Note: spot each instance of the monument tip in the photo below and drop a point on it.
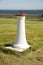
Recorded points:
(21, 14)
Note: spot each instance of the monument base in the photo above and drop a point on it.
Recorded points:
(18, 48)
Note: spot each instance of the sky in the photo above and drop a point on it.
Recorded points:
(21, 4)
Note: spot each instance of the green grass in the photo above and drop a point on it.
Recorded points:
(34, 35)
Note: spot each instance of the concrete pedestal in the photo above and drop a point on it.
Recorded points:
(21, 43)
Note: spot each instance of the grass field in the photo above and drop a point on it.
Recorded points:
(34, 35)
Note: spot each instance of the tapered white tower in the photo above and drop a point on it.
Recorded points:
(21, 43)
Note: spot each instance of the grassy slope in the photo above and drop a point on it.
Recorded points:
(34, 34)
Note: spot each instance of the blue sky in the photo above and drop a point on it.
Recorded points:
(21, 4)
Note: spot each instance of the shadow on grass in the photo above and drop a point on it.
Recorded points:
(8, 51)
(7, 45)
(13, 52)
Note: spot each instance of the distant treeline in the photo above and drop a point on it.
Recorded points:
(7, 16)
(14, 16)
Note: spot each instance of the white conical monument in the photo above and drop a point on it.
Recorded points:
(21, 43)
